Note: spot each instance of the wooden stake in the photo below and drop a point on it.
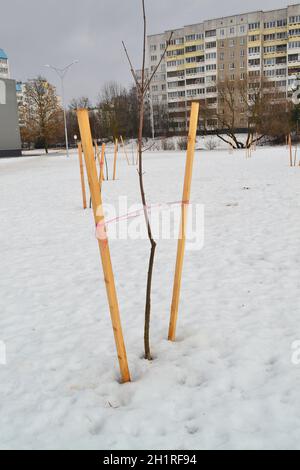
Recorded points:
(291, 150)
(101, 177)
(115, 159)
(295, 158)
(124, 148)
(185, 206)
(86, 138)
(97, 152)
(82, 175)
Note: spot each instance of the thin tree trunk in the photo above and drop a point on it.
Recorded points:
(148, 355)
(142, 88)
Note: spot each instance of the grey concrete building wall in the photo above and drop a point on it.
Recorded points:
(10, 141)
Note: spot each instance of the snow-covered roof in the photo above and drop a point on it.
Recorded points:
(2, 54)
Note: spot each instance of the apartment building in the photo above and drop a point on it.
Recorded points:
(4, 65)
(256, 44)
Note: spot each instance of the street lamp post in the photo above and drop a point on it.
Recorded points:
(62, 73)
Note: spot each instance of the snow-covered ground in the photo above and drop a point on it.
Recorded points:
(227, 383)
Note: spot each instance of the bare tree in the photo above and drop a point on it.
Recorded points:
(142, 87)
(255, 105)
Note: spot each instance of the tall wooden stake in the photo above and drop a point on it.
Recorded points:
(97, 152)
(102, 161)
(185, 205)
(86, 138)
(115, 159)
(291, 150)
(82, 175)
(124, 148)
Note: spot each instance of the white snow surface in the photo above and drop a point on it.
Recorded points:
(228, 382)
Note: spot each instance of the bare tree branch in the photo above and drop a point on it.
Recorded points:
(132, 69)
(159, 63)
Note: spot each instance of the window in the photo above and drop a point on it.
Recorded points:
(176, 94)
(190, 37)
(254, 73)
(242, 64)
(254, 62)
(195, 92)
(254, 50)
(152, 48)
(281, 72)
(294, 32)
(198, 47)
(242, 41)
(211, 67)
(222, 44)
(294, 19)
(242, 29)
(293, 58)
(231, 43)
(281, 35)
(222, 32)
(281, 23)
(211, 56)
(175, 52)
(222, 66)
(176, 42)
(269, 73)
(190, 60)
(270, 37)
(254, 38)
(153, 58)
(196, 81)
(195, 70)
(211, 45)
(294, 45)
(222, 56)
(231, 30)
(232, 77)
(269, 62)
(270, 24)
(242, 53)
(232, 66)
(211, 33)
(253, 26)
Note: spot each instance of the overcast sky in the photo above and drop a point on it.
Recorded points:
(37, 32)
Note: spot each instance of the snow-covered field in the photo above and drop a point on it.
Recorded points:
(227, 383)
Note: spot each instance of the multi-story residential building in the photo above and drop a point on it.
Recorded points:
(258, 45)
(20, 89)
(4, 65)
(5, 73)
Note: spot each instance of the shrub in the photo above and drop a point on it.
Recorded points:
(182, 143)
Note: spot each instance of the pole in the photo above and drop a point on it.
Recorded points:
(62, 73)
(115, 159)
(87, 143)
(65, 116)
(185, 205)
(82, 175)
(124, 148)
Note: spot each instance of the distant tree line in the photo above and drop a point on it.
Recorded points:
(257, 106)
